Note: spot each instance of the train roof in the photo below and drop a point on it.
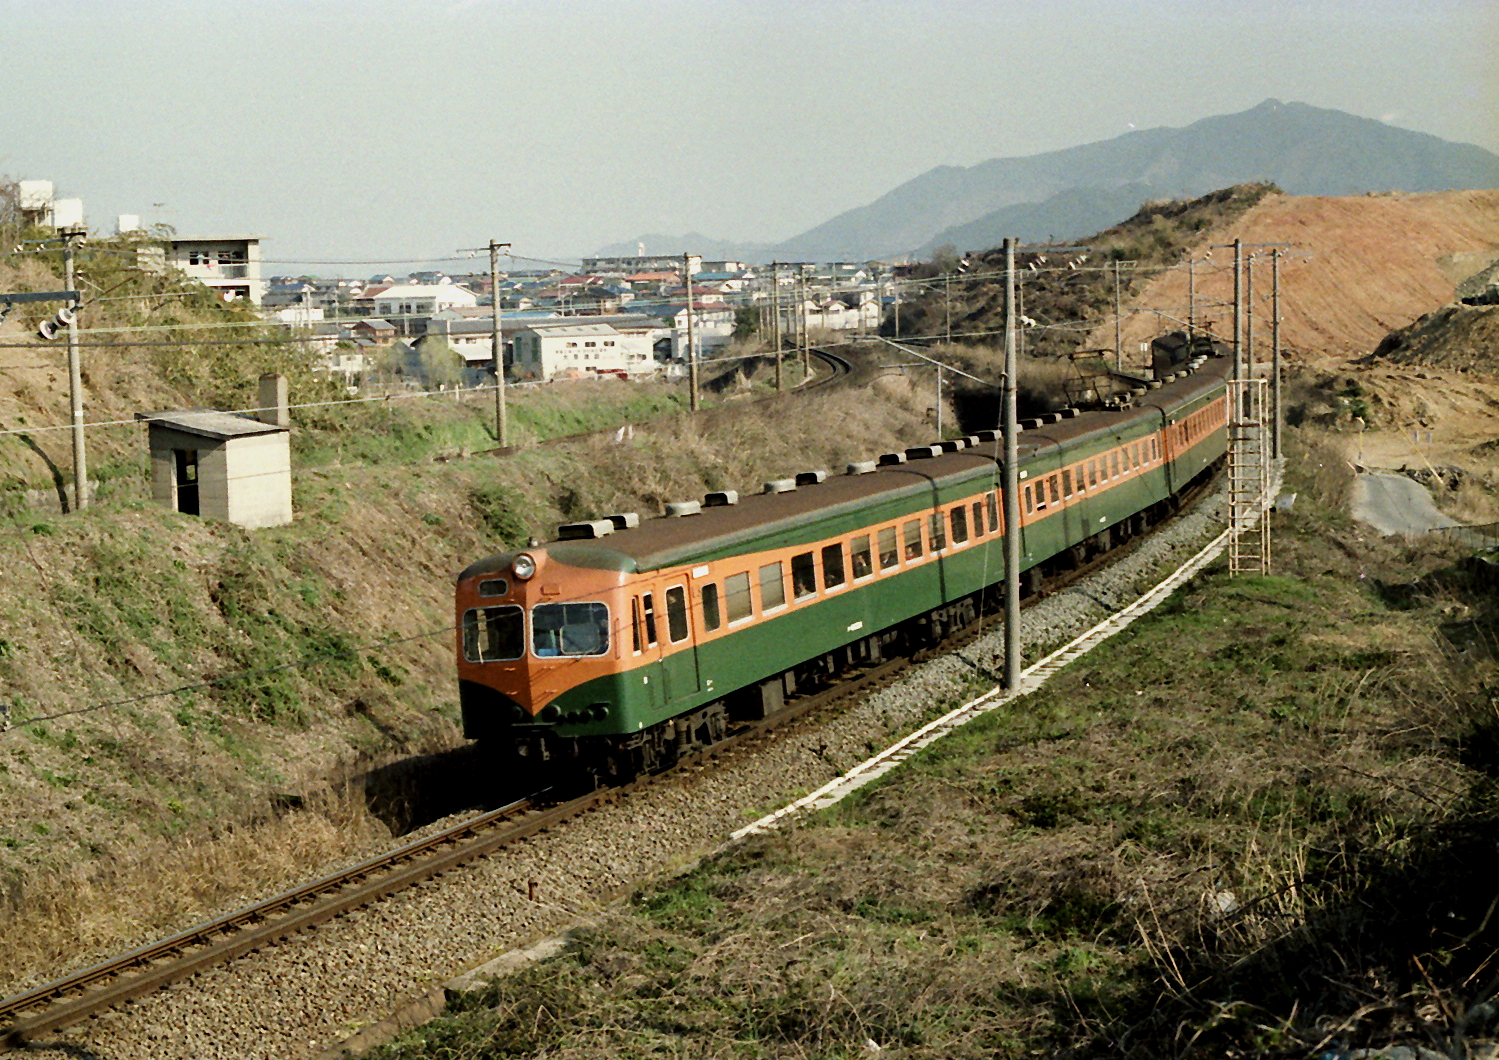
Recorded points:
(674, 539)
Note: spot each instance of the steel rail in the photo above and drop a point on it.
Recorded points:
(221, 939)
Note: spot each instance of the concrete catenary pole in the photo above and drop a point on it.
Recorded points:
(775, 288)
(1238, 308)
(497, 341)
(691, 343)
(1275, 353)
(75, 379)
(1249, 317)
(1010, 475)
(1118, 325)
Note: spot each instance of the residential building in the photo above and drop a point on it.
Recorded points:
(230, 265)
(576, 347)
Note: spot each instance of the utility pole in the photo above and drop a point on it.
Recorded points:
(895, 297)
(775, 314)
(497, 337)
(1238, 305)
(687, 263)
(804, 340)
(1275, 353)
(1191, 301)
(947, 297)
(1118, 324)
(939, 402)
(75, 378)
(1011, 481)
(1249, 317)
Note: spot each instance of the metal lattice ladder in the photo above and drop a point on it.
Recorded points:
(1248, 478)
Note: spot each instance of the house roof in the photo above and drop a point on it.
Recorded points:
(428, 290)
(209, 423)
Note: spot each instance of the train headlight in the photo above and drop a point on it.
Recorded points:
(523, 565)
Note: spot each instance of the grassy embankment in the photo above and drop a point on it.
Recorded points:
(1258, 823)
(184, 693)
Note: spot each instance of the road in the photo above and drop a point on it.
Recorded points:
(1395, 504)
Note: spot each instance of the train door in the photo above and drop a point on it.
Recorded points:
(645, 643)
(679, 666)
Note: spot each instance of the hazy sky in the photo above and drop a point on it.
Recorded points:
(378, 130)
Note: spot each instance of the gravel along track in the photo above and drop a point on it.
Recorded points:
(312, 991)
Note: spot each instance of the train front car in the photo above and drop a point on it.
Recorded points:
(540, 666)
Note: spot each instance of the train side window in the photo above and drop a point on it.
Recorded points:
(1030, 505)
(772, 587)
(635, 626)
(912, 533)
(712, 619)
(1067, 482)
(862, 559)
(978, 518)
(1114, 463)
(832, 566)
(937, 531)
(1051, 482)
(676, 614)
(889, 548)
(958, 518)
(803, 576)
(648, 610)
(992, 503)
(736, 591)
(494, 634)
(1092, 474)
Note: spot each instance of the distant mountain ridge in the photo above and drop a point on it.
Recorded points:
(1076, 191)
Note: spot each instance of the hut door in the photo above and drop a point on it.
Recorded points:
(187, 480)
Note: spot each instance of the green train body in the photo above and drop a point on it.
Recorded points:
(625, 640)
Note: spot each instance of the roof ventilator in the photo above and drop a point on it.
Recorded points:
(810, 478)
(862, 467)
(923, 452)
(892, 458)
(987, 436)
(721, 498)
(624, 520)
(953, 445)
(780, 485)
(679, 508)
(585, 531)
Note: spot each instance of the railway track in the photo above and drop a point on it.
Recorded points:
(112, 983)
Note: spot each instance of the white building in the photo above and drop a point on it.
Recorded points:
(228, 264)
(421, 299)
(575, 347)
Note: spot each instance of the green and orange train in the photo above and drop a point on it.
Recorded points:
(624, 642)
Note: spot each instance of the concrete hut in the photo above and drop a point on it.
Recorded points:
(221, 465)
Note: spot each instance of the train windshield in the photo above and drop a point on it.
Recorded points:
(493, 634)
(570, 629)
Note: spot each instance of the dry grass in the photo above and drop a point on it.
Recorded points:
(1257, 824)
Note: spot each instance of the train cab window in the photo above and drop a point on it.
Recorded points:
(648, 614)
(772, 587)
(912, 533)
(803, 576)
(937, 531)
(832, 566)
(861, 557)
(736, 591)
(889, 548)
(978, 518)
(712, 619)
(676, 614)
(991, 503)
(958, 518)
(570, 629)
(494, 587)
(493, 634)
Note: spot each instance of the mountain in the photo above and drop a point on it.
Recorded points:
(1064, 194)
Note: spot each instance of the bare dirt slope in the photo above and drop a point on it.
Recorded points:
(1355, 268)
